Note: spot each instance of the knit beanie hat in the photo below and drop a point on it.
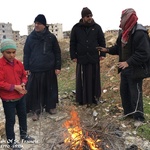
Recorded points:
(40, 18)
(8, 44)
(85, 11)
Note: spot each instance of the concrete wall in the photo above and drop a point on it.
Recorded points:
(6, 31)
(56, 29)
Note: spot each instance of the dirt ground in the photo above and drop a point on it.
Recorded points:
(94, 121)
(102, 122)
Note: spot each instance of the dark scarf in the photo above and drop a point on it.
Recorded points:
(40, 35)
(86, 24)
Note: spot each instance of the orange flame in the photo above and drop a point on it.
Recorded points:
(76, 138)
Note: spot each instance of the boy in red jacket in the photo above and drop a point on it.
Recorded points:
(12, 90)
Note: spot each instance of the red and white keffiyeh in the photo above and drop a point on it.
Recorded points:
(127, 22)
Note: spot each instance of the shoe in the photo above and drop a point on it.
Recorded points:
(35, 117)
(138, 123)
(15, 146)
(125, 117)
(27, 139)
(142, 119)
(81, 103)
(52, 111)
(132, 147)
(96, 102)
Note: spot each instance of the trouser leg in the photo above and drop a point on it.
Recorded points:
(9, 110)
(125, 95)
(22, 116)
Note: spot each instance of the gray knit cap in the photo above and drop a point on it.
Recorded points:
(8, 44)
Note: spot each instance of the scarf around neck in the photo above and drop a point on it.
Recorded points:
(86, 24)
(128, 21)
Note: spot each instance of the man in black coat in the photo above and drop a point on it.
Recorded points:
(133, 49)
(42, 61)
(86, 35)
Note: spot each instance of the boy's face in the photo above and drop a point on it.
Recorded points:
(9, 54)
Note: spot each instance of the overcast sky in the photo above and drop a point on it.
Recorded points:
(68, 12)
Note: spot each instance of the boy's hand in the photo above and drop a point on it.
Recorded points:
(23, 86)
(21, 89)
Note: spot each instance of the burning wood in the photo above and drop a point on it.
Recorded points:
(75, 137)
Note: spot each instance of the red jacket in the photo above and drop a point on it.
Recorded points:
(11, 75)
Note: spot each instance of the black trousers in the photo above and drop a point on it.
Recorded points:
(131, 94)
(10, 109)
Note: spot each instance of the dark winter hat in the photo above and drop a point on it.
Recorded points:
(8, 44)
(85, 11)
(40, 18)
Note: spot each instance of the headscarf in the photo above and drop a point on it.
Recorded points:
(127, 22)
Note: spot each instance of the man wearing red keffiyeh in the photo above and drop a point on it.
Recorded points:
(128, 21)
(133, 48)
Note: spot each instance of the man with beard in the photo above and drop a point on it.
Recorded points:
(86, 35)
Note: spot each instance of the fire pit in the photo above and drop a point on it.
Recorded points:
(77, 138)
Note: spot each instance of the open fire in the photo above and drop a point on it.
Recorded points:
(76, 138)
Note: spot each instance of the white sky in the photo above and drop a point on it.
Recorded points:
(68, 12)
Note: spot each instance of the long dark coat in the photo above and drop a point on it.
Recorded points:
(83, 42)
(42, 56)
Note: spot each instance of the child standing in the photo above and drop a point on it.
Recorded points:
(12, 90)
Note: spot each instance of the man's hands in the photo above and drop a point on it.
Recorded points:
(28, 72)
(123, 65)
(74, 60)
(57, 71)
(102, 49)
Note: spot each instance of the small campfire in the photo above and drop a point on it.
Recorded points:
(76, 138)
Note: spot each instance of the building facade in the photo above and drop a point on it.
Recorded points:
(56, 29)
(6, 31)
